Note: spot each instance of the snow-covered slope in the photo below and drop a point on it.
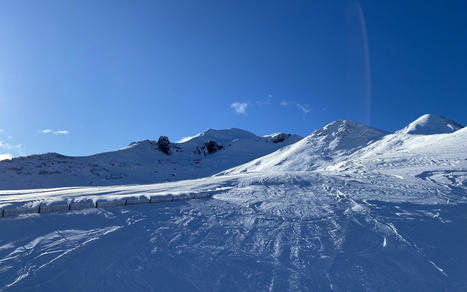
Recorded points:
(267, 233)
(349, 146)
(142, 162)
(404, 154)
(333, 143)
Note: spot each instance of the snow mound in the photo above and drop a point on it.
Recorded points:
(430, 124)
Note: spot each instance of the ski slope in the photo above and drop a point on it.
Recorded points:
(347, 208)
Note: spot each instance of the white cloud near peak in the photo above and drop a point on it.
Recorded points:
(13, 150)
(239, 107)
(10, 146)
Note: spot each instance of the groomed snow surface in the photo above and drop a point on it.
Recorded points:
(348, 208)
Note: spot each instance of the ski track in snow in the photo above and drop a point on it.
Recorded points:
(284, 236)
(45, 250)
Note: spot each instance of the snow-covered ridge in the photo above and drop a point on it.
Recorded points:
(349, 148)
(340, 145)
(332, 143)
(222, 136)
(142, 162)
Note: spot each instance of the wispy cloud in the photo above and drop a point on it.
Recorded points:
(239, 107)
(1, 130)
(264, 102)
(304, 108)
(58, 132)
(61, 132)
(10, 146)
(12, 149)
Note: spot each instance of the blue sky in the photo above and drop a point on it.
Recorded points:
(80, 77)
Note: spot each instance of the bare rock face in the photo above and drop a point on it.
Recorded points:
(164, 144)
(209, 147)
(212, 146)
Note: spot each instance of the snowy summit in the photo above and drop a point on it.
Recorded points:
(431, 124)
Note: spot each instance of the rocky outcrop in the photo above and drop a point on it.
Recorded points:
(209, 147)
(212, 146)
(164, 144)
(280, 137)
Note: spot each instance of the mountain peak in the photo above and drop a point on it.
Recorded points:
(430, 124)
(342, 128)
(330, 144)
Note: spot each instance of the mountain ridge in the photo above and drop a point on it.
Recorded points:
(146, 161)
(334, 147)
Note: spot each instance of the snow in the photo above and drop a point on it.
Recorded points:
(5, 156)
(328, 145)
(140, 162)
(431, 124)
(349, 207)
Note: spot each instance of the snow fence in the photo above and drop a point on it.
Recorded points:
(43, 208)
